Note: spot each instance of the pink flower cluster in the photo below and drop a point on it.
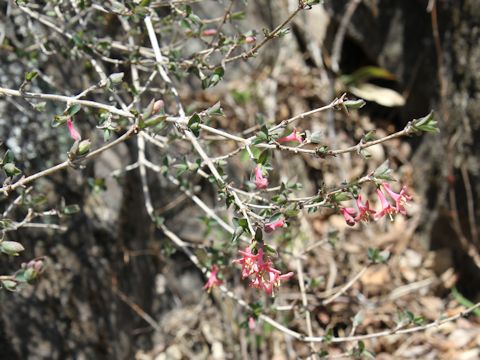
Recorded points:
(258, 267)
(365, 213)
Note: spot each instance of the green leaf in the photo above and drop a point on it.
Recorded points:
(258, 235)
(116, 78)
(291, 210)
(11, 170)
(376, 256)
(40, 107)
(215, 110)
(9, 284)
(59, 120)
(383, 172)
(311, 3)
(341, 196)
(263, 157)
(239, 15)
(154, 121)
(426, 123)
(194, 124)
(317, 137)
(322, 151)
(464, 301)
(5, 223)
(8, 157)
(236, 235)
(329, 335)
(269, 250)
(365, 73)
(260, 137)
(214, 78)
(29, 76)
(369, 136)
(72, 110)
(70, 209)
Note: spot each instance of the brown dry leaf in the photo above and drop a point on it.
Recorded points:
(432, 306)
(376, 276)
(461, 337)
(382, 96)
(472, 354)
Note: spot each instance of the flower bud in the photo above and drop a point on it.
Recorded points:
(38, 266)
(84, 147)
(250, 39)
(116, 78)
(251, 323)
(354, 104)
(11, 247)
(209, 32)
(157, 106)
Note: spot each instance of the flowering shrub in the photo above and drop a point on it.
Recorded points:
(126, 107)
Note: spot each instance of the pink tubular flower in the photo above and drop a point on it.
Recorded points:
(365, 212)
(271, 226)
(248, 262)
(387, 209)
(292, 137)
(400, 198)
(73, 132)
(261, 182)
(209, 32)
(212, 279)
(348, 214)
(260, 268)
(251, 324)
(274, 280)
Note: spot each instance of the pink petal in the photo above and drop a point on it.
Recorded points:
(73, 132)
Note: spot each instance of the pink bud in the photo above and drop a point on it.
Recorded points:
(209, 32)
(73, 132)
(251, 324)
(250, 39)
(157, 106)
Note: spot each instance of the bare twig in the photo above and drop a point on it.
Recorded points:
(26, 180)
(247, 54)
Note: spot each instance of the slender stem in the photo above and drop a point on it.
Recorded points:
(66, 99)
(345, 287)
(268, 37)
(26, 180)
